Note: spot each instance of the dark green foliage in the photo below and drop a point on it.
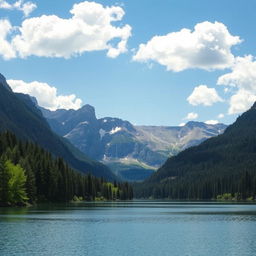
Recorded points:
(46, 178)
(136, 174)
(4, 179)
(225, 164)
(31, 180)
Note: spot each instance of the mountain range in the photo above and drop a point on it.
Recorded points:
(20, 115)
(204, 161)
(132, 152)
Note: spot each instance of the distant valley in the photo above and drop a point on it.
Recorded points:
(132, 152)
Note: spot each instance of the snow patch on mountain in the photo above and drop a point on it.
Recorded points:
(115, 130)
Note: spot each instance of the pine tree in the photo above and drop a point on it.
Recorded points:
(4, 187)
(30, 181)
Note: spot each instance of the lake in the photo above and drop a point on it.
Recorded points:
(130, 228)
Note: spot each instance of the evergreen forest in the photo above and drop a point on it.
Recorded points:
(30, 174)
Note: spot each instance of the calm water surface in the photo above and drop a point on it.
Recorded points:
(132, 228)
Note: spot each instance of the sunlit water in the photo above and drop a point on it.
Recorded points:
(132, 228)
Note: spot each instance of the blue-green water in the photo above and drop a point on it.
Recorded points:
(132, 228)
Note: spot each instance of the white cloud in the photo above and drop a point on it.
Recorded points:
(46, 95)
(242, 79)
(182, 124)
(207, 47)
(212, 122)
(5, 5)
(241, 101)
(6, 49)
(243, 75)
(25, 7)
(203, 95)
(191, 116)
(220, 116)
(89, 29)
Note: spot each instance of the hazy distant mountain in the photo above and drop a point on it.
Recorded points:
(20, 115)
(133, 152)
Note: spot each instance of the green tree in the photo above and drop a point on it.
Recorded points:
(39, 176)
(30, 181)
(16, 184)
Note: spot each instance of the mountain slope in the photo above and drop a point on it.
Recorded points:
(169, 140)
(223, 164)
(132, 152)
(19, 115)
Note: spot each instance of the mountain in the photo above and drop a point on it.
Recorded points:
(4, 83)
(20, 115)
(132, 152)
(225, 164)
(169, 140)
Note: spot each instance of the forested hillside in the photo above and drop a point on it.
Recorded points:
(28, 173)
(225, 164)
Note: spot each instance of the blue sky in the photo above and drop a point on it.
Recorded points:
(150, 86)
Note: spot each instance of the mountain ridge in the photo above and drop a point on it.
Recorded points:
(20, 115)
(122, 146)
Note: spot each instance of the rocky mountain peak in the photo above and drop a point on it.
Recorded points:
(85, 113)
(110, 123)
(87, 108)
(192, 124)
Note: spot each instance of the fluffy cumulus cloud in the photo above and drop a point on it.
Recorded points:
(212, 122)
(6, 49)
(191, 116)
(25, 7)
(204, 96)
(46, 95)
(90, 28)
(241, 101)
(242, 81)
(208, 47)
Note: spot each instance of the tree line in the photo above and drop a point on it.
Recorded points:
(28, 173)
(240, 186)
